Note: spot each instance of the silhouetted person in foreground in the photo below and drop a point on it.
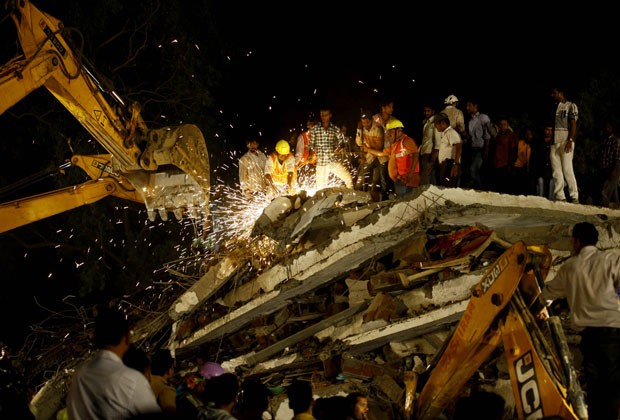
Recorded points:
(480, 405)
(221, 396)
(253, 400)
(104, 387)
(300, 399)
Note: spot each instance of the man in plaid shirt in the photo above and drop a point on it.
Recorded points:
(325, 138)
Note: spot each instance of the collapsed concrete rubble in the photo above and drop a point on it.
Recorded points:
(351, 293)
(367, 298)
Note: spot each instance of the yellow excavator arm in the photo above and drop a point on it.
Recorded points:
(168, 167)
(104, 183)
(500, 312)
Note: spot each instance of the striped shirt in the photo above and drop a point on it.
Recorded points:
(324, 142)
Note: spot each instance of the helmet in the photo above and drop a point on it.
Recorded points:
(451, 100)
(211, 370)
(394, 123)
(283, 147)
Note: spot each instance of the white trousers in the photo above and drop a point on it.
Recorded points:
(336, 168)
(562, 170)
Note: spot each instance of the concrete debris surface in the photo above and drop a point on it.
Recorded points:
(353, 294)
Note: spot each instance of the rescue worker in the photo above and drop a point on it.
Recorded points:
(325, 138)
(305, 162)
(280, 174)
(403, 163)
(252, 169)
(371, 136)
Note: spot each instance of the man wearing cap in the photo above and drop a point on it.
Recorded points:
(251, 169)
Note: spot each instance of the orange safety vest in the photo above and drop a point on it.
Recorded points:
(305, 155)
(279, 174)
(402, 160)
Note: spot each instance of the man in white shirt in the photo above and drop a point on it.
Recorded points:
(104, 387)
(563, 147)
(590, 281)
(449, 152)
(430, 142)
(251, 169)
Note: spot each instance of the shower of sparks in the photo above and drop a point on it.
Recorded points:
(230, 223)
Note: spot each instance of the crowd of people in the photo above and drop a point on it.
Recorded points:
(450, 148)
(122, 381)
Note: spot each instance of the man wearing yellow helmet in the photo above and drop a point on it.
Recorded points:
(280, 169)
(403, 164)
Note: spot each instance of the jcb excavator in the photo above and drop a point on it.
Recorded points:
(167, 168)
(504, 308)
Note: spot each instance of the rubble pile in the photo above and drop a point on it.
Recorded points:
(357, 293)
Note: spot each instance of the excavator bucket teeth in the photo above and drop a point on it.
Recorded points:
(181, 182)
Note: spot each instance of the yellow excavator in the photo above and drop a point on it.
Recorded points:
(504, 310)
(165, 168)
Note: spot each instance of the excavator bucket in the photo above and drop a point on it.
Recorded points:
(181, 182)
(168, 167)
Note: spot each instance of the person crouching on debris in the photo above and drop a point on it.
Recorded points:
(403, 164)
(280, 174)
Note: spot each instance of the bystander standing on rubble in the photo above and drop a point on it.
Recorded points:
(403, 163)
(449, 152)
(563, 147)
(325, 138)
(610, 164)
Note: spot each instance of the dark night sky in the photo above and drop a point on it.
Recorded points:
(507, 59)
(286, 60)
